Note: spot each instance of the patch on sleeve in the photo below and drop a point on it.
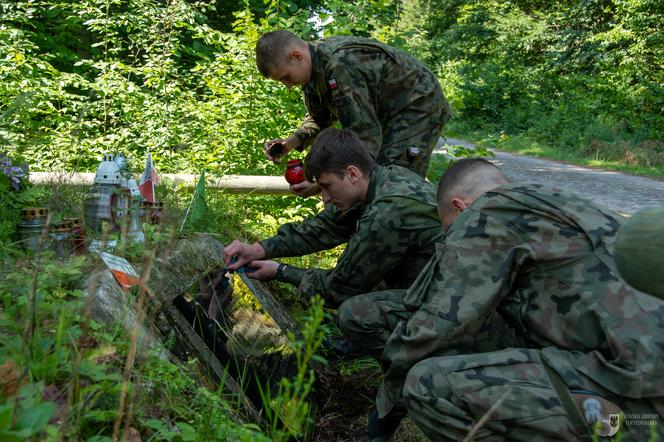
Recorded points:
(333, 84)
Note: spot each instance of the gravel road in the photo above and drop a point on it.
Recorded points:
(618, 191)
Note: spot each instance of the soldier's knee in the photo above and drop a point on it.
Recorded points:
(346, 319)
(423, 382)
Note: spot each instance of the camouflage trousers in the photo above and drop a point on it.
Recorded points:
(511, 391)
(368, 320)
(419, 128)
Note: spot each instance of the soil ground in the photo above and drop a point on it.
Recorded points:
(344, 399)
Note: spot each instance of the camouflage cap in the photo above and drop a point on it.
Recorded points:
(639, 251)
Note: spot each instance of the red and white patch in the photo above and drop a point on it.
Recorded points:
(333, 84)
(123, 271)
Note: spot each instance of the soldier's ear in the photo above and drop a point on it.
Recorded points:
(459, 204)
(354, 174)
(295, 54)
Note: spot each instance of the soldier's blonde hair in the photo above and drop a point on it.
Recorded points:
(273, 47)
(468, 178)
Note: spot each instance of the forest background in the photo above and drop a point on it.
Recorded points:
(575, 80)
(177, 78)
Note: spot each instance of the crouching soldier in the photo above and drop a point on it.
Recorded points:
(386, 215)
(583, 346)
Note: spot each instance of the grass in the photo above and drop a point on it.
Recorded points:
(64, 376)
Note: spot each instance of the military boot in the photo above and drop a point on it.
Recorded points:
(382, 429)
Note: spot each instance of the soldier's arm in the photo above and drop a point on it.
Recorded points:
(324, 231)
(318, 117)
(476, 269)
(384, 236)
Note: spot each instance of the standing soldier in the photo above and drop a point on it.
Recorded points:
(388, 98)
(582, 347)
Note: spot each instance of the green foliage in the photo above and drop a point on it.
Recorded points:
(567, 75)
(15, 193)
(152, 77)
(347, 368)
(441, 162)
(27, 417)
(177, 78)
(42, 326)
(188, 412)
(290, 406)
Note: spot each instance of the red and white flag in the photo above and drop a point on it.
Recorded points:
(149, 179)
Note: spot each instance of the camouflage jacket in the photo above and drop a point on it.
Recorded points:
(541, 259)
(390, 237)
(371, 88)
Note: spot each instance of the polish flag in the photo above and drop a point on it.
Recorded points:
(149, 179)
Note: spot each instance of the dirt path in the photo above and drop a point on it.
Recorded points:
(618, 191)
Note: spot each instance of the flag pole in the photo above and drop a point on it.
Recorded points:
(186, 214)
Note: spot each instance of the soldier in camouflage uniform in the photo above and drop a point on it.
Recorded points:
(388, 218)
(581, 343)
(388, 98)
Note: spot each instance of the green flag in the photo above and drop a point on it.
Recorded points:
(198, 205)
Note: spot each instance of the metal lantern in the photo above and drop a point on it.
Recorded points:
(114, 198)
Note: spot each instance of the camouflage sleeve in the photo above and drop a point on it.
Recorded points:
(291, 275)
(324, 231)
(476, 269)
(383, 237)
(317, 118)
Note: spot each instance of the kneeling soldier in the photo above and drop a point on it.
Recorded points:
(386, 215)
(583, 346)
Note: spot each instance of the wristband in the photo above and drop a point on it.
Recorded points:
(280, 271)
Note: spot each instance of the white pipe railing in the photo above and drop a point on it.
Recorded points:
(257, 184)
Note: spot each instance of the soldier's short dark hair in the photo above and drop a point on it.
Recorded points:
(272, 49)
(333, 151)
(455, 181)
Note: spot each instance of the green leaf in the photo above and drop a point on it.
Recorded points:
(187, 432)
(36, 418)
(156, 424)
(319, 359)
(99, 439)
(5, 417)
(15, 436)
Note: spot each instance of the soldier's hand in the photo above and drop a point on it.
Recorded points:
(287, 145)
(305, 189)
(243, 253)
(273, 155)
(263, 270)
